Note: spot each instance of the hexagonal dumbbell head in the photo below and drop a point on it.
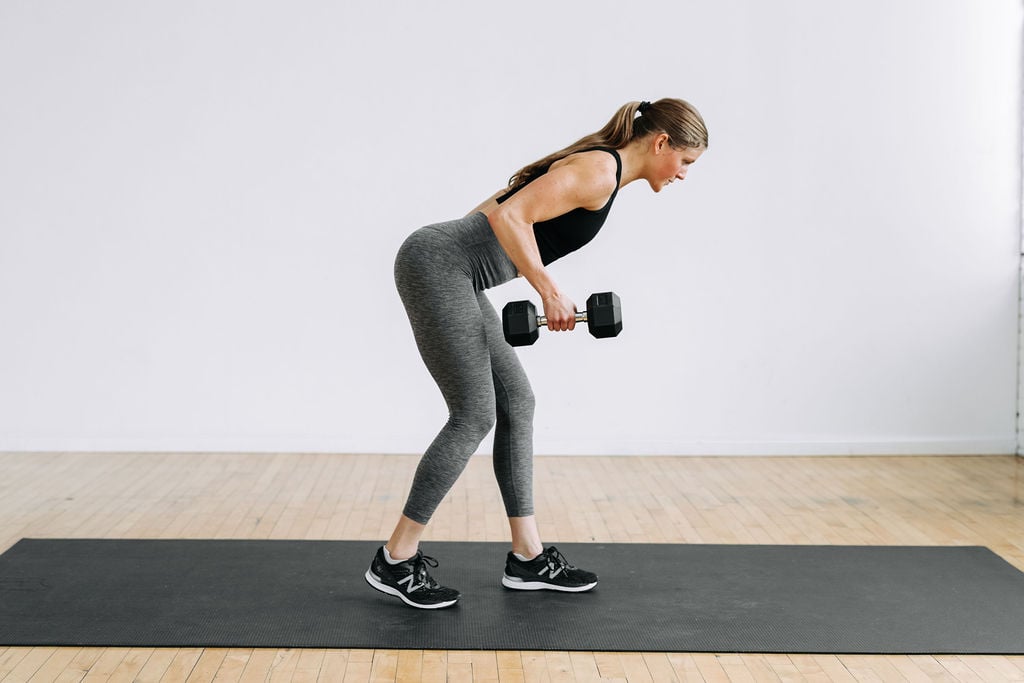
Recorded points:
(604, 314)
(519, 323)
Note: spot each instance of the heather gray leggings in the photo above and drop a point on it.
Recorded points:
(441, 271)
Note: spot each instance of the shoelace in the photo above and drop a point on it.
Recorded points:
(419, 570)
(556, 561)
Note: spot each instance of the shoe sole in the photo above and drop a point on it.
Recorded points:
(521, 585)
(375, 582)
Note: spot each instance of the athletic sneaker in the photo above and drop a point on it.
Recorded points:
(548, 571)
(410, 581)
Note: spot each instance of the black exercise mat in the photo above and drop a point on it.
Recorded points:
(696, 598)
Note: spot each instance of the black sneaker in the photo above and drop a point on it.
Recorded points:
(410, 581)
(548, 571)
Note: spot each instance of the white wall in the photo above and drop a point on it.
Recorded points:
(201, 203)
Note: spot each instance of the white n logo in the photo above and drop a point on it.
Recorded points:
(547, 569)
(408, 580)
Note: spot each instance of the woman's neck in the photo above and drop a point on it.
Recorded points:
(633, 159)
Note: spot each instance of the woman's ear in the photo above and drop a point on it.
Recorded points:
(660, 143)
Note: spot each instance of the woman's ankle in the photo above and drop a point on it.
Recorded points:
(405, 539)
(525, 537)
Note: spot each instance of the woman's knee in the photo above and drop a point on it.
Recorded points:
(522, 407)
(518, 402)
(475, 420)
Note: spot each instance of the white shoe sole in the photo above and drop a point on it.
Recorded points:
(521, 585)
(375, 581)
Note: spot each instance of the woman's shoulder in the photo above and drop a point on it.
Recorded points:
(599, 166)
(602, 158)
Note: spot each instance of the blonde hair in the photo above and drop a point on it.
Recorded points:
(677, 118)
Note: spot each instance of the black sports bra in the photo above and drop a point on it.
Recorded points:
(570, 231)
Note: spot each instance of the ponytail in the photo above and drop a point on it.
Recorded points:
(679, 119)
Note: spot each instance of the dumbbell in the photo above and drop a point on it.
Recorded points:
(521, 324)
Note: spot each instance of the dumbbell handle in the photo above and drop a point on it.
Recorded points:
(542, 320)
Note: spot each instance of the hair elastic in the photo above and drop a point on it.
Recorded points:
(644, 106)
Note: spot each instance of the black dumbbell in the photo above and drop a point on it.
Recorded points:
(521, 324)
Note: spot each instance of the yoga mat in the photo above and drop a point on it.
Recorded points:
(651, 597)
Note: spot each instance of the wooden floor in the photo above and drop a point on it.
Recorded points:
(863, 500)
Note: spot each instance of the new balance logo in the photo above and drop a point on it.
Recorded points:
(547, 569)
(411, 588)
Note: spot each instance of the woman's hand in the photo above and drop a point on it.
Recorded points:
(560, 312)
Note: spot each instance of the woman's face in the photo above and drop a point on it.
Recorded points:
(670, 163)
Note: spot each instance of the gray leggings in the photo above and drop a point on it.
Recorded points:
(441, 271)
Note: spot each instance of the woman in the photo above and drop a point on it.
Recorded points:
(550, 208)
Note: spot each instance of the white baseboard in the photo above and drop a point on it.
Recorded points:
(909, 447)
(545, 446)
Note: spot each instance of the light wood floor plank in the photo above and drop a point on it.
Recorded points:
(59, 662)
(79, 666)
(106, 664)
(333, 666)
(181, 665)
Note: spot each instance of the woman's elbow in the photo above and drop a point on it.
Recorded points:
(505, 221)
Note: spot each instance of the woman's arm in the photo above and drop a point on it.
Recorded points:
(582, 181)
